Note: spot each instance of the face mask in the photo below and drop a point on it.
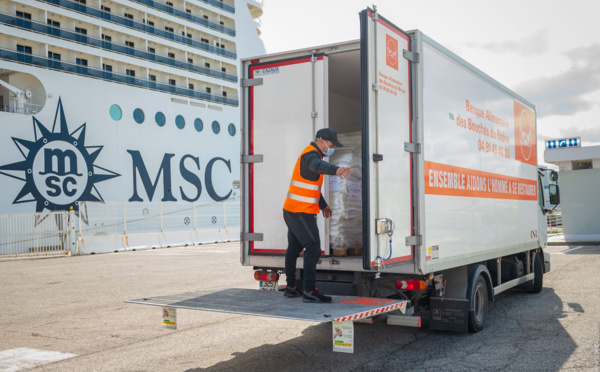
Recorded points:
(329, 151)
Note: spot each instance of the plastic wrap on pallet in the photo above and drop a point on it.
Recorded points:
(345, 198)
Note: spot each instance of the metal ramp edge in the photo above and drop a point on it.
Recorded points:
(273, 304)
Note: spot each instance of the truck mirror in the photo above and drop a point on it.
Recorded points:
(553, 176)
(554, 194)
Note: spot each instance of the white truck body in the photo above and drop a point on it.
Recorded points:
(470, 191)
(445, 195)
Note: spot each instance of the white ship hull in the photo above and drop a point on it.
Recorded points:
(138, 168)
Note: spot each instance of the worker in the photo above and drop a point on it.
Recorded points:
(300, 210)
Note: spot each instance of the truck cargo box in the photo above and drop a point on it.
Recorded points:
(448, 172)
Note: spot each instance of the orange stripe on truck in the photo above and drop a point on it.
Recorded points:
(442, 179)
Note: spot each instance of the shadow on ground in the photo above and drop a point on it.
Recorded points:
(524, 332)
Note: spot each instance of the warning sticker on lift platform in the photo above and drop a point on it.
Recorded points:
(343, 336)
(170, 317)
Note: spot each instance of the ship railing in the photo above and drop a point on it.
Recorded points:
(109, 45)
(220, 4)
(112, 76)
(81, 8)
(181, 14)
(28, 108)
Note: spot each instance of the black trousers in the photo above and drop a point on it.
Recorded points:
(303, 234)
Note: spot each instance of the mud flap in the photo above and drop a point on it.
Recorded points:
(449, 314)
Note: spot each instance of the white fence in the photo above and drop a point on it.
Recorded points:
(113, 227)
(34, 235)
(555, 223)
(110, 227)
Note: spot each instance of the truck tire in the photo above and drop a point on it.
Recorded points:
(478, 301)
(538, 272)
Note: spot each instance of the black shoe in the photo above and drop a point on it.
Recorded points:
(315, 296)
(291, 292)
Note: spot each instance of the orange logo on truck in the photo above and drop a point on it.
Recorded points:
(391, 52)
(525, 145)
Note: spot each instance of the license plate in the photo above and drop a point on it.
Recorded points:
(268, 286)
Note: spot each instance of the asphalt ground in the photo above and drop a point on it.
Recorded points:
(68, 314)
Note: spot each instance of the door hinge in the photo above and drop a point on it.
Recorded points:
(377, 157)
(251, 237)
(412, 147)
(314, 114)
(252, 82)
(374, 15)
(251, 159)
(413, 57)
(413, 240)
(375, 87)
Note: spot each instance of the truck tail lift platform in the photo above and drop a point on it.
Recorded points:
(342, 311)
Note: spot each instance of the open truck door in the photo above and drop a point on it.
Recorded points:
(387, 148)
(286, 106)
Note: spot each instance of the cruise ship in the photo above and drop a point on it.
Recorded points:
(125, 117)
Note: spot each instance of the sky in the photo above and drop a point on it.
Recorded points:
(546, 51)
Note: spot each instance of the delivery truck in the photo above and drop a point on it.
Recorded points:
(444, 208)
(445, 205)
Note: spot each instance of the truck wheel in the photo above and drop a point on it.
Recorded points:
(479, 304)
(538, 272)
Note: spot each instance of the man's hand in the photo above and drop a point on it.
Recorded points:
(343, 172)
(327, 212)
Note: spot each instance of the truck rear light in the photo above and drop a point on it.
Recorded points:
(411, 285)
(266, 276)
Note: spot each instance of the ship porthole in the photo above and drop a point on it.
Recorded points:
(138, 116)
(115, 112)
(216, 127)
(180, 122)
(198, 125)
(160, 119)
(231, 129)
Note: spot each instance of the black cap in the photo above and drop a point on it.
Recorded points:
(329, 134)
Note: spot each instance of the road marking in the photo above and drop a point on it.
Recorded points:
(569, 250)
(179, 251)
(183, 253)
(25, 358)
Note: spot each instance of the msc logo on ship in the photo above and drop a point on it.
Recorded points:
(58, 168)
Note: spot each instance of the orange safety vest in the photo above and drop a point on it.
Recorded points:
(303, 195)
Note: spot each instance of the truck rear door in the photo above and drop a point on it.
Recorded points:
(386, 127)
(285, 106)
